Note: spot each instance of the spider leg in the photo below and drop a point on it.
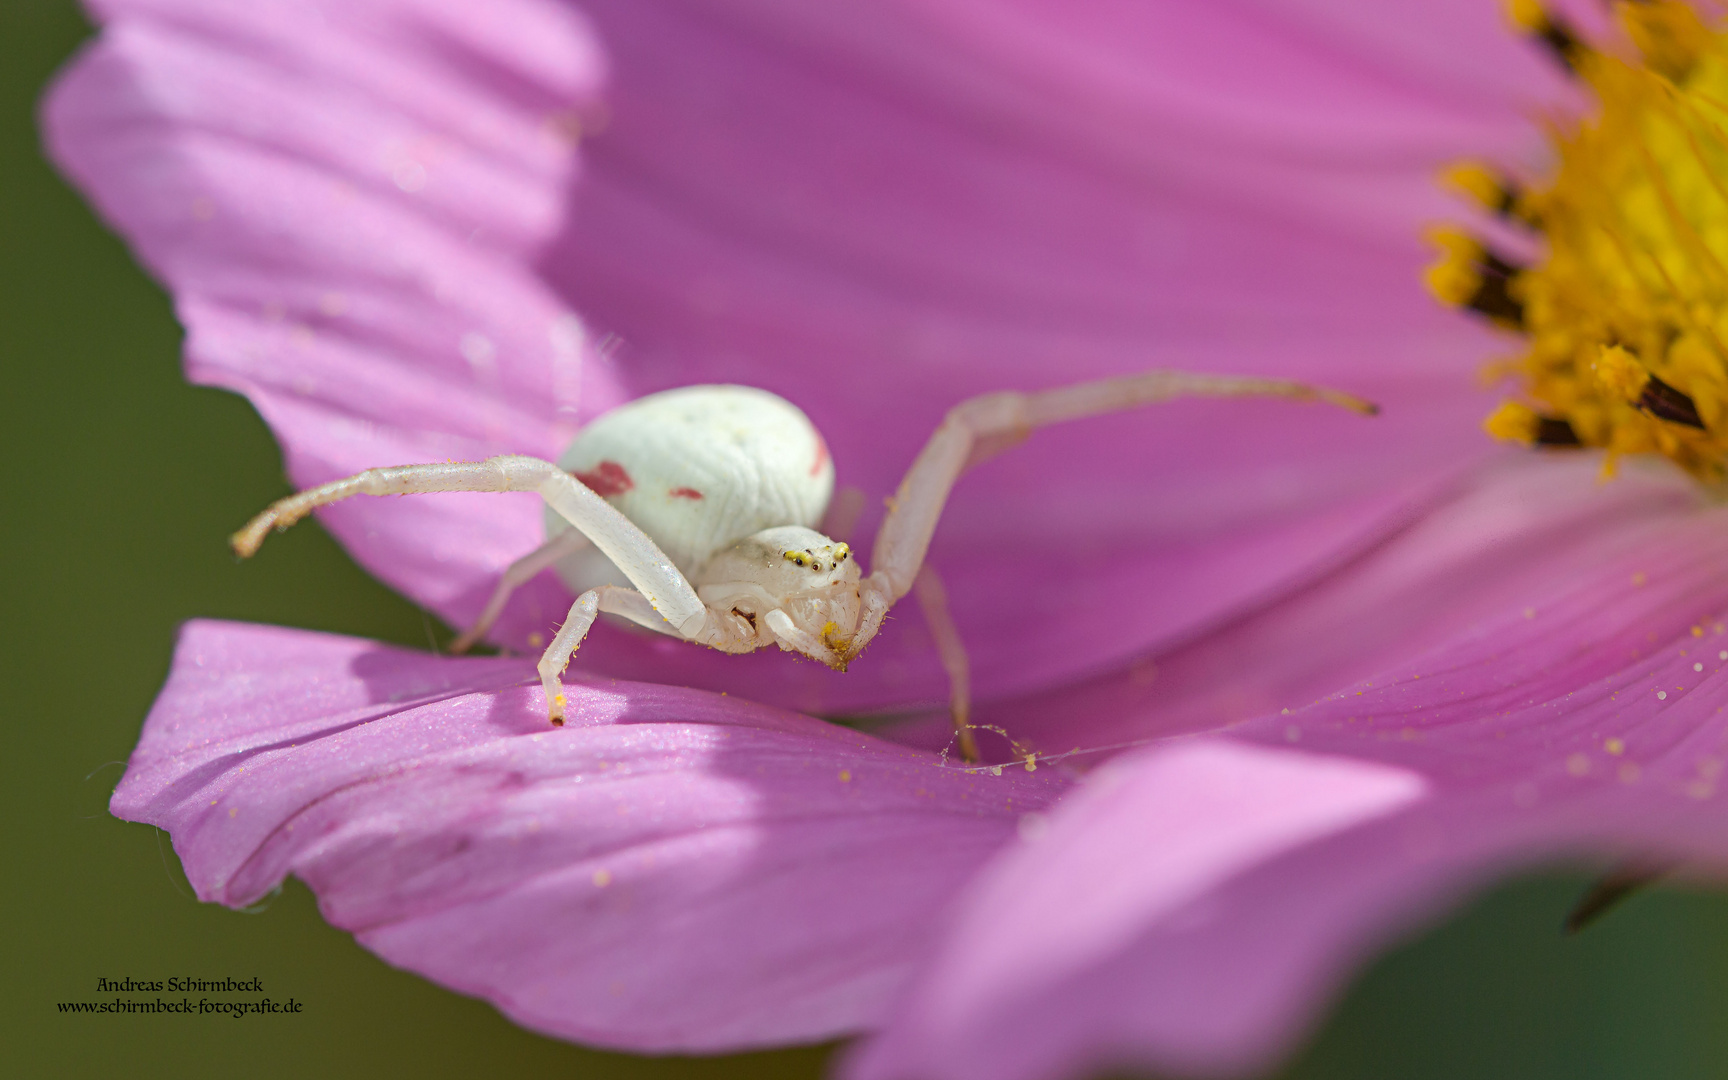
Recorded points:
(516, 575)
(933, 599)
(981, 426)
(635, 607)
(610, 598)
(629, 548)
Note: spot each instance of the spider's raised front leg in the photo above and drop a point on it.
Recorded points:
(516, 575)
(980, 427)
(659, 583)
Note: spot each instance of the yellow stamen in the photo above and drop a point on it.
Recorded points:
(1514, 423)
(1625, 316)
(1477, 182)
(1453, 278)
(1527, 15)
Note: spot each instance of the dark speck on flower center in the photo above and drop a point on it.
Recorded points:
(1623, 318)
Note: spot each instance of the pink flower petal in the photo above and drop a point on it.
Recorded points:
(339, 196)
(1505, 539)
(673, 870)
(1079, 914)
(1584, 716)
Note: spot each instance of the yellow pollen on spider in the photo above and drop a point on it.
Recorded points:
(835, 640)
(1622, 315)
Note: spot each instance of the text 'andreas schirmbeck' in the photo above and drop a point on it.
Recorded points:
(181, 986)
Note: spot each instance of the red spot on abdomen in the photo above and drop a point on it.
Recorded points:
(686, 493)
(821, 456)
(606, 478)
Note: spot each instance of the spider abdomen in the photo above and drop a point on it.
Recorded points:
(698, 469)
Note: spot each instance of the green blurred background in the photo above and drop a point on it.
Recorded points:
(121, 483)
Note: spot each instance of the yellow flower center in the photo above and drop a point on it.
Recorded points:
(1624, 316)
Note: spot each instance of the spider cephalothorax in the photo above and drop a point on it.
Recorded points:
(794, 587)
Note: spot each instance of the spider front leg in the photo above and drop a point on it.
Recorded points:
(722, 630)
(612, 599)
(659, 583)
(980, 427)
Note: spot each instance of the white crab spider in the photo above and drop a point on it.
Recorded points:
(748, 569)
